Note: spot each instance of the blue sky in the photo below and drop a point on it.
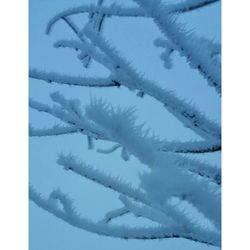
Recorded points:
(134, 38)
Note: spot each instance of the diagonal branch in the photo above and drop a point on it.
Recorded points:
(185, 42)
(115, 184)
(127, 76)
(114, 214)
(71, 80)
(190, 5)
(72, 218)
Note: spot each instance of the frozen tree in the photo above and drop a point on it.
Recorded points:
(174, 181)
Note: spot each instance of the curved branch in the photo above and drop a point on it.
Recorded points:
(100, 228)
(116, 10)
(97, 22)
(113, 10)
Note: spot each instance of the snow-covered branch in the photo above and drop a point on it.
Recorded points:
(71, 80)
(126, 75)
(69, 163)
(172, 178)
(189, 5)
(69, 118)
(85, 125)
(197, 147)
(101, 228)
(195, 49)
(147, 212)
(121, 11)
(53, 131)
(114, 214)
(120, 125)
(97, 21)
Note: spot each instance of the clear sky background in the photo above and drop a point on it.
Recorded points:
(134, 38)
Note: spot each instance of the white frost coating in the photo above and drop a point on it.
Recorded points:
(113, 10)
(72, 115)
(115, 214)
(117, 10)
(126, 75)
(189, 5)
(53, 131)
(203, 169)
(70, 163)
(148, 212)
(165, 176)
(166, 55)
(110, 150)
(86, 127)
(70, 80)
(190, 146)
(87, 48)
(196, 50)
(100, 112)
(171, 175)
(74, 219)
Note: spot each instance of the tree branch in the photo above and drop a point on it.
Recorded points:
(127, 76)
(105, 229)
(185, 42)
(114, 214)
(54, 131)
(71, 80)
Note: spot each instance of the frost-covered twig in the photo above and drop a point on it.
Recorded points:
(203, 169)
(87, 127)
(86, 171)
(71, 80)
(147, 212)
(101, 228)
(197, 147)
(121, 11)
(114, 214)
(83, 125)
(53, 131)
(127, 76)
(120, 125)
(96, 20)
(190, 5)
(110, 150)
(185, 42)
